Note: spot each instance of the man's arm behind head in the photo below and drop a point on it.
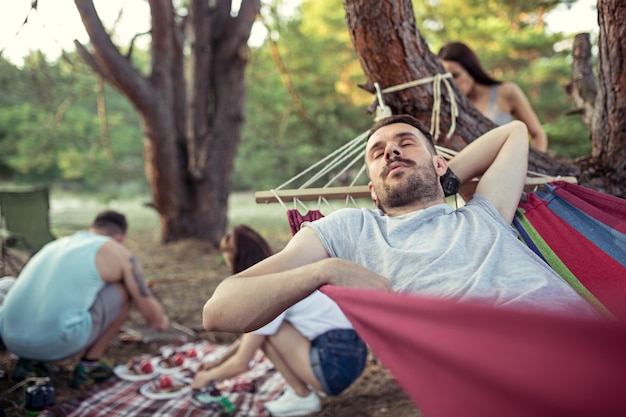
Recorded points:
(500, 158)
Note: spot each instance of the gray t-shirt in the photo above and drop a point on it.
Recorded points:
(467, 254)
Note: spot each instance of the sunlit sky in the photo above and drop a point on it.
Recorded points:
(56, 23)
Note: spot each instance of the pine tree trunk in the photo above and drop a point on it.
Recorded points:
(582, 89)
(392, 52)
(605, 169)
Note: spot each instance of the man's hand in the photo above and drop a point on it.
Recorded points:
(164, 324)
(343, 273)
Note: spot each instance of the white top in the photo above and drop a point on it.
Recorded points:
(312, 316)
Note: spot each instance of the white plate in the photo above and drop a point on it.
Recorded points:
(182, 376)
(146, 392)
(122, 372)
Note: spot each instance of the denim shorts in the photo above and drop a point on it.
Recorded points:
(338, 358)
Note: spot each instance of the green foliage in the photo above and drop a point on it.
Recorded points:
(50, 131)
(280, 139)
(299, 109)
(512, 43)
(568, 136)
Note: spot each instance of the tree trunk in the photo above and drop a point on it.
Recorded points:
(582, 89)
(392, 52)
(605, 169)
(191, 105)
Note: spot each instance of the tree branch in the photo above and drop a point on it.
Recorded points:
(111, 64)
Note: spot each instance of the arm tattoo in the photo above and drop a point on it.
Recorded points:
(139, 278)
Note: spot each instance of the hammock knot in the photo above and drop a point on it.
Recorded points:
(382, 110)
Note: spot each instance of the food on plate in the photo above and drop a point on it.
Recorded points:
(139, 365)
(192, 353)
(186, 373)
(177, 359)
(146, 366)
(166, 384)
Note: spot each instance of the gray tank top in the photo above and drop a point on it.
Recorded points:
(495, 113)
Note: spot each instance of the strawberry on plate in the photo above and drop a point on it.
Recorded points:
(165, 387)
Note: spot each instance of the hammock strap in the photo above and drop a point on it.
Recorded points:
(384, 111)
(346, 148)
(353, 149)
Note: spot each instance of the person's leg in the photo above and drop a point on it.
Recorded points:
(26, 368)
(109, 313)
(289, 351)
(338, 358)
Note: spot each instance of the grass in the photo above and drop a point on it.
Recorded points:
(72, 212)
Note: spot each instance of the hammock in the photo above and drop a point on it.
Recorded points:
(461, 359)
(474, 360)
(580, 233)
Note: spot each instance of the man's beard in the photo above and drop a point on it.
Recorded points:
(421, 185)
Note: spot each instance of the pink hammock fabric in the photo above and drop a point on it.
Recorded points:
(471, 360)
(296, 219)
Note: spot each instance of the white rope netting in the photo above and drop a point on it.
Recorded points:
(337, 164)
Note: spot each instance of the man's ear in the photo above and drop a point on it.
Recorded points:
(372, 193)
(441, 165)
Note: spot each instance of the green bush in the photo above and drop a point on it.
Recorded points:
(568, 136)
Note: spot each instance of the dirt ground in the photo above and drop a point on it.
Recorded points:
(182, 276)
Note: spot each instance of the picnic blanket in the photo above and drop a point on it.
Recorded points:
(117, 397)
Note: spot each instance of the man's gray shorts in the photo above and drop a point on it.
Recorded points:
(103, 312)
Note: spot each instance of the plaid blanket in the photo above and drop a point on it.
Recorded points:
(118, 397)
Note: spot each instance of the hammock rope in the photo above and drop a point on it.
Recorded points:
(337, 164)
(353, 150)
(383, 110)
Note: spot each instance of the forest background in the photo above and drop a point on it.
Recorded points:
(60, 125)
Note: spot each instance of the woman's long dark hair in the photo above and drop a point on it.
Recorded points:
(247, 246)
(465, 57)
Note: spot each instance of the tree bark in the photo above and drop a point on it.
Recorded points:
(582, 89)
(392, 52)
(191, 123)
(605, 169)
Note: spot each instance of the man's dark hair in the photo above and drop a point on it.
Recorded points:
(465, 57)
(111, 221)
(409, 120)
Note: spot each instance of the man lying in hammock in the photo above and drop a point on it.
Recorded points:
(415, 242)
